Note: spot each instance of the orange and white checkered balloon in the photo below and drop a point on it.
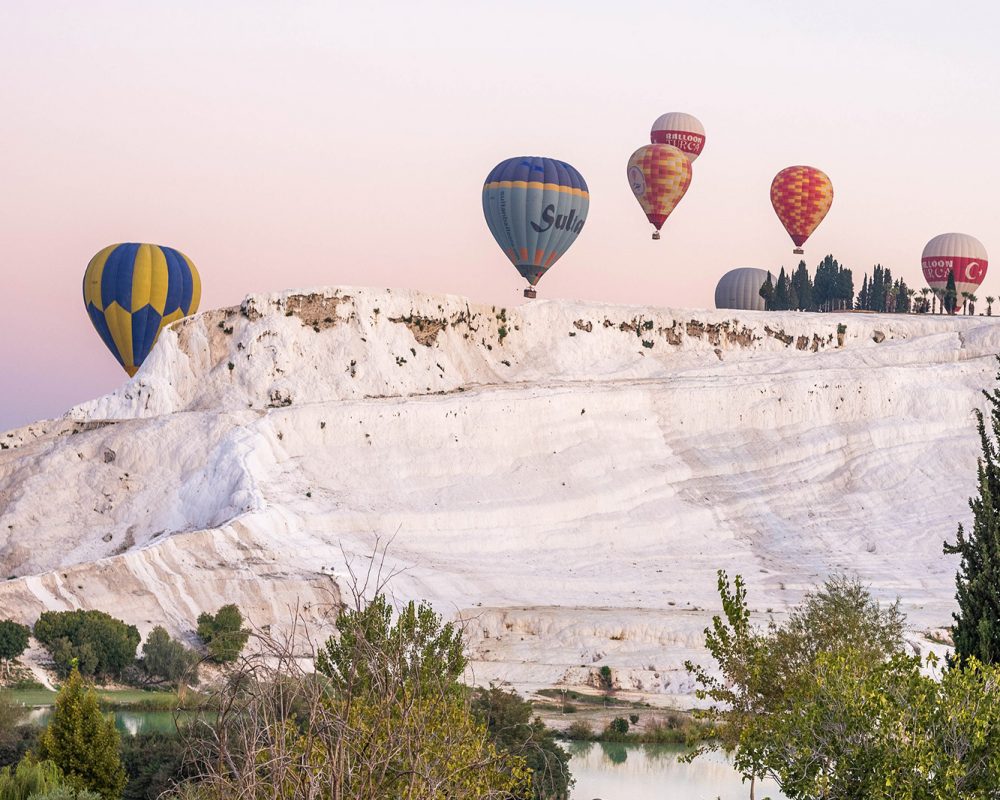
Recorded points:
(801, 197)
(659, 175)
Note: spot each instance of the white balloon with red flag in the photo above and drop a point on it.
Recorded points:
(959, 253)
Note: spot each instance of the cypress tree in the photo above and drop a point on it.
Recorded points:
(767, 292)
(863, 294)
(803, 287)
(950, 293)
(82, 742)
(976, 631)
(780, 302)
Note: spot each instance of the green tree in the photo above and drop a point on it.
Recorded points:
(223, 633)
(82, 742)
(29, 779)
(802, 285)
(383, 716)
(976, 631)
(510, 723)
(101, 645)
(780, 300)
(767, 293)
(372, 652)
(950, 298)
(764, 670)
(13, 642)
(167, 659)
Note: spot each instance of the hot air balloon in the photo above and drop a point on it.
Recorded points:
(680, 130)
(535, 207)
(959, 253)
(740, 288)
(801, 196)
(659, 175)
(133, 291)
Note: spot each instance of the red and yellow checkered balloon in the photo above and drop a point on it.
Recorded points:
(659, 175)
(801, 196)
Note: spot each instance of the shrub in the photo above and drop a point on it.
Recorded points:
(168, 659)
(509, 723)
(606, 678)
(618, 725)
(580, 731)
(154, 762)
(101, 644)
(223, 633)
(66, 792)
(29, 779)
(633, 718)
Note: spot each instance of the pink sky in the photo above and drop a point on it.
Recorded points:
(291, 145)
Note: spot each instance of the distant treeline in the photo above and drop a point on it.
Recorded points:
(833, 290)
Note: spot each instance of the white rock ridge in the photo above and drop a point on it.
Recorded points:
(567, 477)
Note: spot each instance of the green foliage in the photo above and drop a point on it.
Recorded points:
(579, 731)
(154, 763)
(830, 706)
(29, 779)
(759, 669)
(977, 622)
(66, 792)
(168, 659)
(82, 742)
(950, 299)
(606, 678)
(223, 633)
(510, 725)
(618, 725)
(633, 718)
(13, 640)
(101, 645)
(372, 653)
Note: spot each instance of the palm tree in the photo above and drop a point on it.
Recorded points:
(989, 305)
(909, 299)
(965, 302)
(923, 293)
(972, 304)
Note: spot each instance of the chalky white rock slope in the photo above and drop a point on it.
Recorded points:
(565, 476)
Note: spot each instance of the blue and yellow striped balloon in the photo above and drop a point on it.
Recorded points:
(535, 208)
(133, 291)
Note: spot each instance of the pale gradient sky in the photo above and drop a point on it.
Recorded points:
(285, 145)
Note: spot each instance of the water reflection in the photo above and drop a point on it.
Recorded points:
(614, 771)
(129, 722)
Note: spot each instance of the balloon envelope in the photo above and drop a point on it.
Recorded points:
(680, 130)
(133, 291)
(535, 208)
(740, 288)
(959, 253)
(659, 175)
(801, 197)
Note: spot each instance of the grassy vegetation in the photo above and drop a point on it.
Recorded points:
(585, 698)
(110, 699)
(668, 728)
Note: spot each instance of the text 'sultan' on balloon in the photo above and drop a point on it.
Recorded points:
(659, 175)
(535, 208)
(679, 130)
(959, 253)
(133, 291)
(801, 197)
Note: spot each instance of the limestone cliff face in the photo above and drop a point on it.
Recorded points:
(567, 477)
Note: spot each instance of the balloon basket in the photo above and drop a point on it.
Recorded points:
(530, 293)
(656, 234)
(799, 251)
